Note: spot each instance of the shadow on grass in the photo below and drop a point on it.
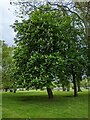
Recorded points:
(33, 97)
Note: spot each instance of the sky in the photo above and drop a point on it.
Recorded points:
(7, 18)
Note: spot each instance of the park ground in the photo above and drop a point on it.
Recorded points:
(35, 104)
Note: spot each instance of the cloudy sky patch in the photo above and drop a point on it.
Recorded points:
(7, 18)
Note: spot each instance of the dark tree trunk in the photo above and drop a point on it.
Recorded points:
(11, 90)
(79, 78)
(14, 90)
(50, 93)
(75, 86)
(6, 89)
(78, 85)
(63, 87)
(74, 82)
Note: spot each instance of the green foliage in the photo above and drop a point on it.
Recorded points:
(6, 65)
(84, 83)
(83, 11)
(0, 64)
(48, 43)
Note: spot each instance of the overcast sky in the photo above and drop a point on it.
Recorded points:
(7, 17)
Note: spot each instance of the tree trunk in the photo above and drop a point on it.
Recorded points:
(11, 90)
(78, 85)
(75, 87)
(50, 93)
(79, 78)
(15, 90)
(74, 82)
(63, 87)
(6, 89)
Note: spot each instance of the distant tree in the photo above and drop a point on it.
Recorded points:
(83, 10)
(0, 64)
(6, 66)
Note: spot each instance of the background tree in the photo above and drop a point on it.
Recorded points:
(83, 9)
(6, 66)
(0, 64)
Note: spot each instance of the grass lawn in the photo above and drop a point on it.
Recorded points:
(35, 104)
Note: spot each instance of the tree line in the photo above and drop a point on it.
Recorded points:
(51, 49)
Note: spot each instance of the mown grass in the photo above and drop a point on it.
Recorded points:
(35, 104)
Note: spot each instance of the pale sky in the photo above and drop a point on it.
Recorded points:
(7, 18)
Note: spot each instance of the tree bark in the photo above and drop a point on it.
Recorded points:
(78, 83)
(75, 86)
(79, 78)
(50, 93)
(15, 90)
(74, 82)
